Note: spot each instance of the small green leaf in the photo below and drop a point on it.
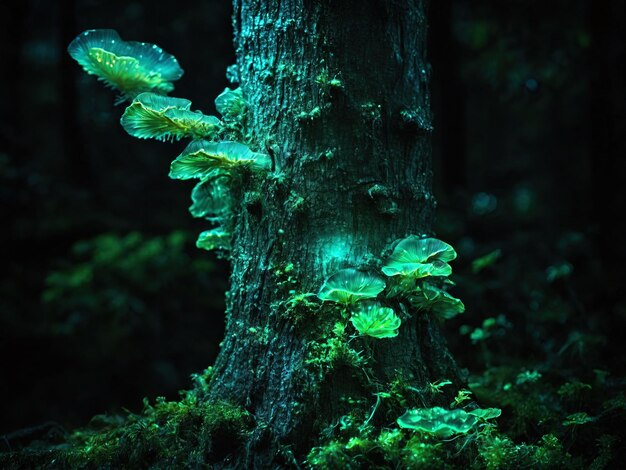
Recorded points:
(164, 118)
(420, 257)
(202, 159)
(376, 321)
(438, 421)
(129, 66)
(348, 286)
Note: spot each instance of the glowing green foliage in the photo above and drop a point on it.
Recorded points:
(528, 376)
(461, 397)
(420, 257)
(486, 413)
(436, 300)
(577, 419)
(485, 261)
(376, 321)
(164, 118)
(214, 239)
(230, 103)
(130, 67)
(438, 421)
(202, 159)
(211, 200)
(348, 286)
(436, 387)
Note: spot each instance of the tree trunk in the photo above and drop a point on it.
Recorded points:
(338, 95)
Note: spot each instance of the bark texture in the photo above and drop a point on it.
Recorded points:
(338, 96)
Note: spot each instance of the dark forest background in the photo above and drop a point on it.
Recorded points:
(104, 298)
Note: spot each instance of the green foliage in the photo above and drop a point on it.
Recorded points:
(114, 282)
(576, 419)
(486, 260)
(375, 320)
(371, 450)
(324, 355)
(419, 257)
(128, 66)
(165, 118)
(348, 286)
(167, 434)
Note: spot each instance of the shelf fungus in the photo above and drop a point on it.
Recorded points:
(420, 257)
(214, 239)
(128, 66)
(211, 200)
(230, 103)
(164, 118)
(348, 286)
(203, 159)
(375, 320)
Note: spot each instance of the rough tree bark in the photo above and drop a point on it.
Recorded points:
(338, 91)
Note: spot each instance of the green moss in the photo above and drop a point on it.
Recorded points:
(186, 433)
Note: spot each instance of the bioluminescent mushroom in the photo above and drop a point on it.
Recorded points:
(438, 421)
(128, 66)
(164, 118)
(350, 285)
(203, 159)
(230, 103)
(376, 321)
(211, 200)
(214, 239)
(420, 257)
(438, 301)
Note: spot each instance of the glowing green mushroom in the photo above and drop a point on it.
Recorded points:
(438, 301)
(376, 321)
(202, 159)
(214, 239)
(230, 103)
(211, 200)
(130, 67)
(348, 286)
(438, 421)
(420, 257)
(165, 118)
